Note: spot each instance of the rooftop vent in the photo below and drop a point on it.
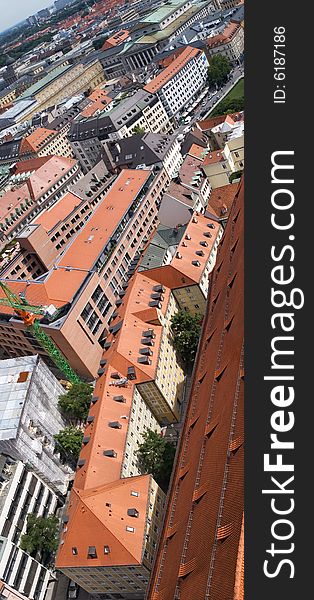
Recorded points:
(145, 351)
(131, 373)
(74, 550)
(103, 362)
(110, 453)
(157, 296)
(107, 345)
(194, 220)
(106, 550)
(147, 342)
(100, 372)
(91, 552)
(199, 252)
(178, 255)
(155, 304)
(196, 263)
(119, 399)
(211, 225)
(115, 375)
(187, 237)
(86, 439)
(132, 512)
(94, 399)
(90, 419)
(159, 288)
(114, 425)
(149, 333)
(207, 234)
(81, 462)
(144, 360)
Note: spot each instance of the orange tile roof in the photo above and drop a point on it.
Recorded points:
(175, 66)
(116, 39)
(98, 94)
(197, 151)
(215, 156)
(221, 200)
(89, 242)
(225, 37)
(30, 165)
(208, 124)
(95, 106)
(38, 138)
(58, 211)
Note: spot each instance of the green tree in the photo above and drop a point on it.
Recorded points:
(76, 402)
(186, 329)
(225, 107)
(138, 129)
(69, 443)
(155, 455)
(218, 70)
(42, 536)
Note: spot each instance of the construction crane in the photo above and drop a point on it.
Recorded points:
(30, 314)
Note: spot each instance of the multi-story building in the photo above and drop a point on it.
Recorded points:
(220, 164)
(140, 383)
(85, 281)
(178, 83)
(33, 189)
(140, 111)
(232, 127)
(58, 224)
(63, 82)
(22, 492)
(45, 142)
(187, 270)
(30, 417)
(201, 550)
(147, 149)
(8, 593)
(151, 35)
(230, 43)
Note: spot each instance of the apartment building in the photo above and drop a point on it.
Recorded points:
(85, 281)
(30, 417)
(142, 110)
(8, 593)
(56, 226)
(178, 83)
(45, 142)
(187, 270)
(230, 43)
(147, 149)
(232, 127)
(201, 550)
(33, 189)
(22, 492)
(111, 550)
(220, 164)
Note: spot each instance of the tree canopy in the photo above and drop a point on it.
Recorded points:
(218, 70)
(156, 456)
(227, 106)
(186, 329)
(69, 443)
(76, 402)
(42, 535)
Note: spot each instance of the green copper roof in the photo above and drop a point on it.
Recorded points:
(164, 11)
(42, 83)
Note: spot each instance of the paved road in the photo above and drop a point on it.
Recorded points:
(202, 111)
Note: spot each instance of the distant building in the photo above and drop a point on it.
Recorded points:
(178, 83)
(22, 492)
(30, 417)
(60, 4)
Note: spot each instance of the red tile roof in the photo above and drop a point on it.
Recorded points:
(200, 546)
